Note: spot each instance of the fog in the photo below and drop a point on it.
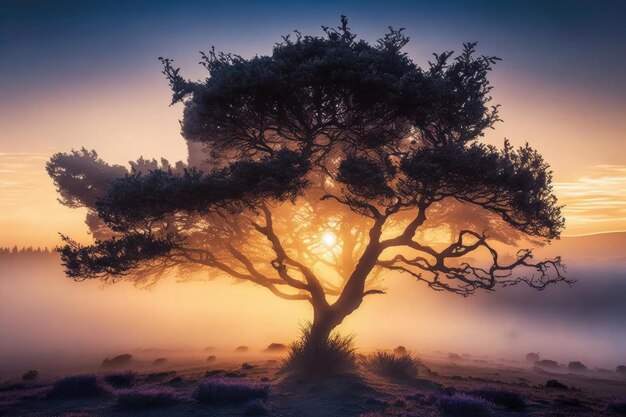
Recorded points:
(54, 324)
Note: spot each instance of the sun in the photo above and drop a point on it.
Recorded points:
(329, 239)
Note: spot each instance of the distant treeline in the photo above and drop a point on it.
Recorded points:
(26, 251)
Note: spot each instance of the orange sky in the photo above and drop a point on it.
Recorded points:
(123, 122)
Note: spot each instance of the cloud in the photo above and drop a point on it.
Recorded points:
(596, 201)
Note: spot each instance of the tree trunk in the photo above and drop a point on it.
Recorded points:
(323, 325)
(325, 319)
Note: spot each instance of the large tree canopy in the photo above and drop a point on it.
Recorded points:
(324, 166)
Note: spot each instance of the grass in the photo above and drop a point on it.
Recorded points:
(230, 391)
(617, 407)
(393, 366)
(144, 398)
(256, 408)
(463, 405)
(511, 400)
(78, 386)
(314, 359)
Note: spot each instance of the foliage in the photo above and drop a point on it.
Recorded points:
(463, 405)
(230, 391)
(314, 357)
(390, 365)
(78, 386)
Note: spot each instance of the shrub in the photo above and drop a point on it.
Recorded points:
(547, 364)
(118, 361)
(159, 361)
(508, 399)
(247, 366)
(553, 383)
(463, 405)
(141, 398)
(211, 358)
(242, 349)
(532, 357)
(77, 386)
(276, 347)
(400, 350)
(230, 391)
(391, 366)
(255, 408)
(310, 358)
(120, 379)
(576, 366)
(30, 375)
(617, 407)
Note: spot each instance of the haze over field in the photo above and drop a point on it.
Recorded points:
(47, 320)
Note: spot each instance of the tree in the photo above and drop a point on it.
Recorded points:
(324, 166)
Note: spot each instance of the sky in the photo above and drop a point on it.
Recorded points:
(85, 74)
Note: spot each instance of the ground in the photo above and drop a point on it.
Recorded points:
(442, 375)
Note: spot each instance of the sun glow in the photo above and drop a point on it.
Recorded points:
(329, 239)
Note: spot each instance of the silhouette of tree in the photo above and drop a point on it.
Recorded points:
(321, 165)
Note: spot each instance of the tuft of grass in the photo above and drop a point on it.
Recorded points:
(77, 386)
(393, 366)
(230, 391)
(144, 398)
(310, 358)
(463, 405)
(120, 379)
(511, 400)
(256, 408)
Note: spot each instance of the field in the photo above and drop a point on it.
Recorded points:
(248, 383)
